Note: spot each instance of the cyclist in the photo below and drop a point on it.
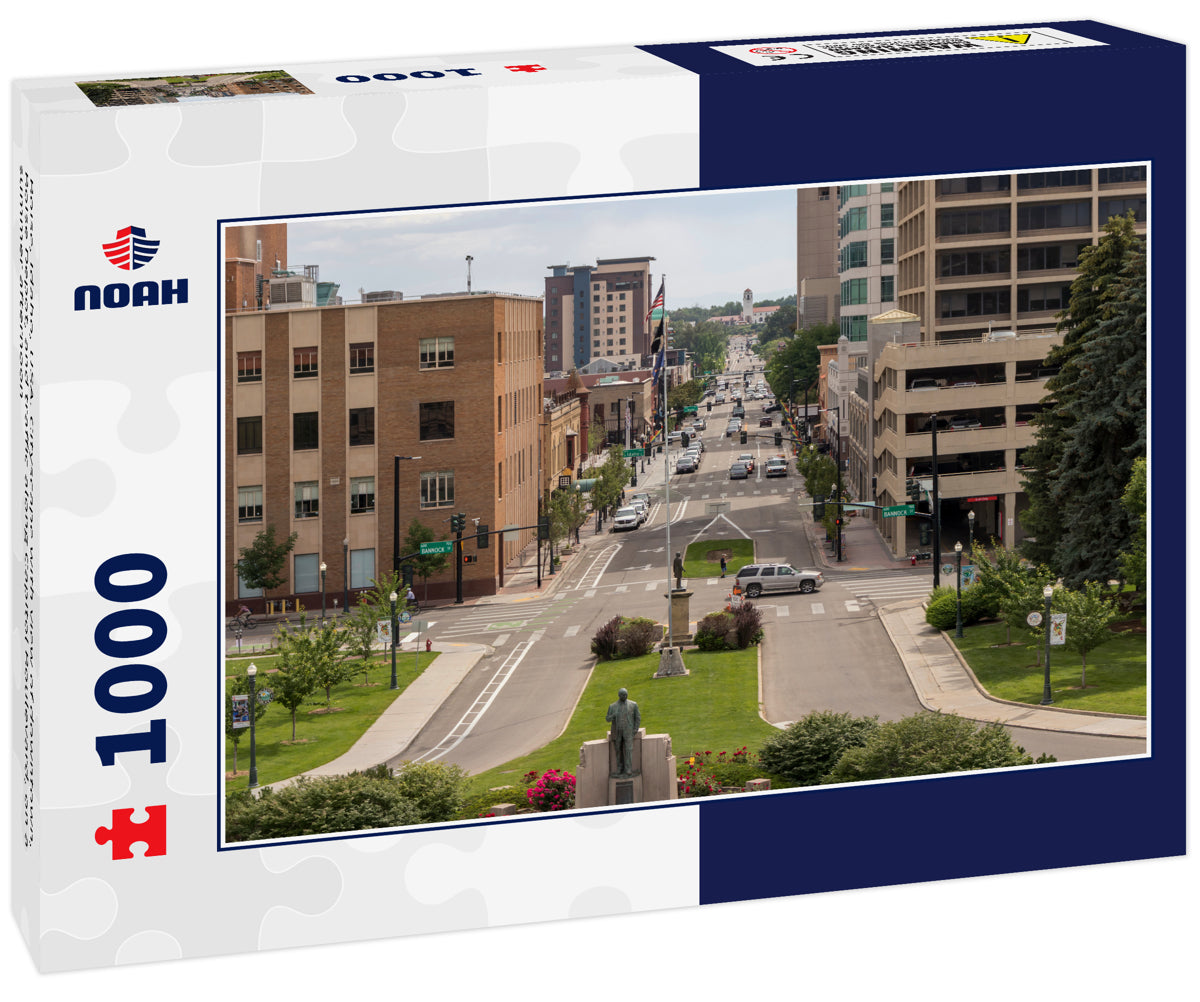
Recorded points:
(409, 598)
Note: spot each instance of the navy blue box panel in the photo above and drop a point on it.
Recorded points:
(952, 130)
(938, 829)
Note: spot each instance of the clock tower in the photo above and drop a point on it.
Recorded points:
(748, 306)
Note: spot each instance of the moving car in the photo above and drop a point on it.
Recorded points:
(738, 471)
(686, 463)
(777, 466)
(733, 427)
(748, 459)
(755, 579)
(626, 518)
(765, 422)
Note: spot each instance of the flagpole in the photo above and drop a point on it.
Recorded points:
(667, 460)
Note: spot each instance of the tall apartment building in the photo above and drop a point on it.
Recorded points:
(1001, 250)
(983, 267)
(866, 264)
(319, 404)
(816, 256)
(597, 311)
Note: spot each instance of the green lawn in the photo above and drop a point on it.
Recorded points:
(321, 736)
(703, 557)
(715, 708)
(1116, 671)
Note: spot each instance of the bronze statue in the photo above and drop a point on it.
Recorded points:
(677, 567)
(625, 718)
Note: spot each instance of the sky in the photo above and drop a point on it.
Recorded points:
(710, 247)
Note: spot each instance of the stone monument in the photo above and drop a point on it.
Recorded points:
(629, 766)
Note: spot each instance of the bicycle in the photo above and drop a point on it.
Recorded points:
(242, 623)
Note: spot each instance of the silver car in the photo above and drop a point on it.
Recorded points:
(626, 518)
(755, 579)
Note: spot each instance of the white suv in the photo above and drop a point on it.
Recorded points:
(626, 518)
(758, 578)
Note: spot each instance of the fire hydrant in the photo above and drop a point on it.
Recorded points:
(913, 561)
(428, 644)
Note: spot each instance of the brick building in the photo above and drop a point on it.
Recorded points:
(597, 311)
(251, 254)
(320, 401)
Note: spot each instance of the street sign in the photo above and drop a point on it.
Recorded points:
(634, 452)
(896, 510)
(445, 546)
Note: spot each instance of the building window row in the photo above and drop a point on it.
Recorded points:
(306, 498)
(305, 362)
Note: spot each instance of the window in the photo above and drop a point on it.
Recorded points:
(305, 433)
(249, 435)
(304, 362)
(306, 499)
(1045, 257)
(887, 250)
(249, 365)
(250, 504)
(436, 420)
(854, 219)
(854, 255)
(1043, 297)
(887, 215)
(247, 592)
(887, 288)
(362, 495)
(1045, 217)
(889, 186)
(437, 488)
(257, 250)
(1122, 175)
(362, 357)
(959, 222)
(974, 304)
(437, 352)
(1054, 179)
(849, 191)
(306, 575)
(981, 262)
(970, 185)
(362, 425)
(822, 194)
(362, 568)
(855, 328)
(854, 292)
(1110, 207)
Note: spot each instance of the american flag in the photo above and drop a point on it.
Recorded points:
(658, 300)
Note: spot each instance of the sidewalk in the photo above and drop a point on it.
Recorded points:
(943, 682)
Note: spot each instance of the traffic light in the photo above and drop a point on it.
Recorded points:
(458, 522)
(543, 528)
(406, 572)
(481, 536)
(778, 439)
(914, 489)
(742, 437)
(685, 438)
(837, 521)
(470, 558)
(818, 509)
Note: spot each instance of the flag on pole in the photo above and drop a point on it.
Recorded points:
(658, 300)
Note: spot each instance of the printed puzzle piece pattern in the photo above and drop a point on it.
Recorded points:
(152, 833)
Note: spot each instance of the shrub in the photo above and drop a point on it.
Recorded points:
(637, 637)
(318, 807)
(928, 743)
(435, 789)
(711, 631)
(554, 791)
(698, 782)
(747, 622)
(607, 639)
(808, 749)
(942, 612)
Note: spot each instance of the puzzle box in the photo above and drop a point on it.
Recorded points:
(157, 408)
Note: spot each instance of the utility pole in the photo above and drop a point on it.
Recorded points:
(935, 509)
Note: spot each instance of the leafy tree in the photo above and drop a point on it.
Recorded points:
(568, 511)
(361, 628)
(798, 361)
(1089, 613)
(928, 743)
(1011, 581)
(318, 649)
(261, 563)
(611, 477)
(809, 748)
(294, 682)
(319, 806)
(1093, 424)
(1133, 559)
(437, 790)
(239, 685)
(427, 564)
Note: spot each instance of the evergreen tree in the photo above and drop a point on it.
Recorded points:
(1093, 422)
(1133, 558)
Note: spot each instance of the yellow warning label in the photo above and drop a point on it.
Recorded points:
(1014, 39)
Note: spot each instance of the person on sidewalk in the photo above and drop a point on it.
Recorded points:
(723, 567)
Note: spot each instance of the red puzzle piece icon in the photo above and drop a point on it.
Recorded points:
(124, 832)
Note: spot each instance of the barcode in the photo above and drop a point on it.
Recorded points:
(890, 48)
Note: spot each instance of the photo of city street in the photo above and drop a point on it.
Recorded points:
(589, 504)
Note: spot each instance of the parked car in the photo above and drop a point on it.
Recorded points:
(700, 424)
(733, 427)
(674, 436)
(642, 497)
(777, 466)
(962, 423)
(626, 518)
(738, 471)
(755, 579)
(927, 383)
(643, 510)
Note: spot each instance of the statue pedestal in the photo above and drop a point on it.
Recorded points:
(680, 607)
(670, 663)
(653, 777)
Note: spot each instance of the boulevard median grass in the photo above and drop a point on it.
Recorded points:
(321, 735)
(1116, 671)
(702, 559)
(715, 708)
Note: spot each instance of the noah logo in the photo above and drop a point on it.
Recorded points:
(131, 250)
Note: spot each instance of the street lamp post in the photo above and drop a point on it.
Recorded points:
(1047, 698)
(971, 531)
(345, 575)
(395, 626)
(323, 569)
(250, 673)
(958, 590)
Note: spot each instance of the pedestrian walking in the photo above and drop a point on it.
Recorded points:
(722, 567)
